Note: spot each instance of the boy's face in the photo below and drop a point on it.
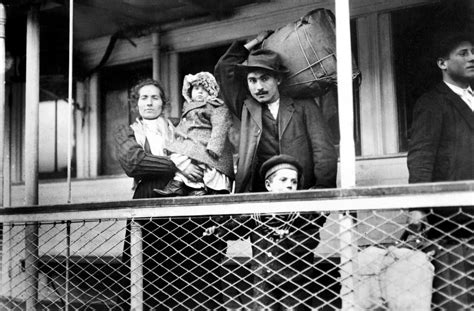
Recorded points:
(283, 180)
(199, 93)
(459, 65)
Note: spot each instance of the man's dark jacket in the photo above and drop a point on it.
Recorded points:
(441, 147)
(302, 131)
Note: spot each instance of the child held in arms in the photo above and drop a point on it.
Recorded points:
(202, 139)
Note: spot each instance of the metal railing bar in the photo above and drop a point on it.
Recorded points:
(203, 207)
(339, 193)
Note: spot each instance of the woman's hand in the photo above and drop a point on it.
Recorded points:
(193, 172)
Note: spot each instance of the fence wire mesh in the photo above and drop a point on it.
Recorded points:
(280, 261)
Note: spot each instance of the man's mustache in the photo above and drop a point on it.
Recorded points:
(261, 93)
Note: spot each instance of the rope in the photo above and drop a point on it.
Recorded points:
(314, 51)
(310, 66)
(303, 51)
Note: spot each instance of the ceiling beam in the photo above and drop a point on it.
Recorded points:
(216, 8)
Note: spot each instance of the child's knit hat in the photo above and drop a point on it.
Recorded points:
(203, 78)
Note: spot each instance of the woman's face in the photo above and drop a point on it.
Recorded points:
(199, 93)
(150, 104)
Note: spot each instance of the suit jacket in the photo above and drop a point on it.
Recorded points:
(303, 132)
(441, 147)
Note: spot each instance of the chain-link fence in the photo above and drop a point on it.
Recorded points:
(353, 259)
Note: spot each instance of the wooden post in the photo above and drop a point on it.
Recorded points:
(156, 55)
(81, 130)
(136, 266)
(32, 106)
(31, 151)
(2, 99)
(347, 146)
(175, 92)
(70, 102)
(94, 126)
(7, 171)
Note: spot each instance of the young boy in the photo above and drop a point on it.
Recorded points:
(282, 244)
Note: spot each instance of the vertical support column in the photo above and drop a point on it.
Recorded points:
(17, 127)
(347, 146)
(31, 151)
(136, 266)
(94, 125)
(32, 106)
(70, 102)
(156, 55)
(7, 181)
(175, 93)
(80, 130)
(2, 101)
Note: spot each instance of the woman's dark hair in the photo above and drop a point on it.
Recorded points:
(135, 92)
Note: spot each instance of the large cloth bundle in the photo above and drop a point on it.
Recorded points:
(397, 279)
(308, 49)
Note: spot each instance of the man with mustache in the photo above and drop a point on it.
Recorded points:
(272, 124)
(442, 149)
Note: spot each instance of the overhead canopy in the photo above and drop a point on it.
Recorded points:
(95, 18)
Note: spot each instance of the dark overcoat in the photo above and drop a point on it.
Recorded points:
(302, 131)
(441, 147)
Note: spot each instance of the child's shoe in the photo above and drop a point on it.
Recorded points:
(173, 188)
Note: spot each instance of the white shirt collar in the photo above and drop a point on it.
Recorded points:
(273, 107)
(458, 90)
(466, 94)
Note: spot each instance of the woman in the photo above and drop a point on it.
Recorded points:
(172, 255)
(140, 146)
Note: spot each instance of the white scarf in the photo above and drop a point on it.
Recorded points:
(156, 132)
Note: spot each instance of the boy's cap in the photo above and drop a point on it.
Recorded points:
(279, 162)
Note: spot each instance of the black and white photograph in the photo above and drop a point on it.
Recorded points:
(236, 155)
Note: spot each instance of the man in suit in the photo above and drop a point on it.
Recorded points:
(442, 149)
(272, 124)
